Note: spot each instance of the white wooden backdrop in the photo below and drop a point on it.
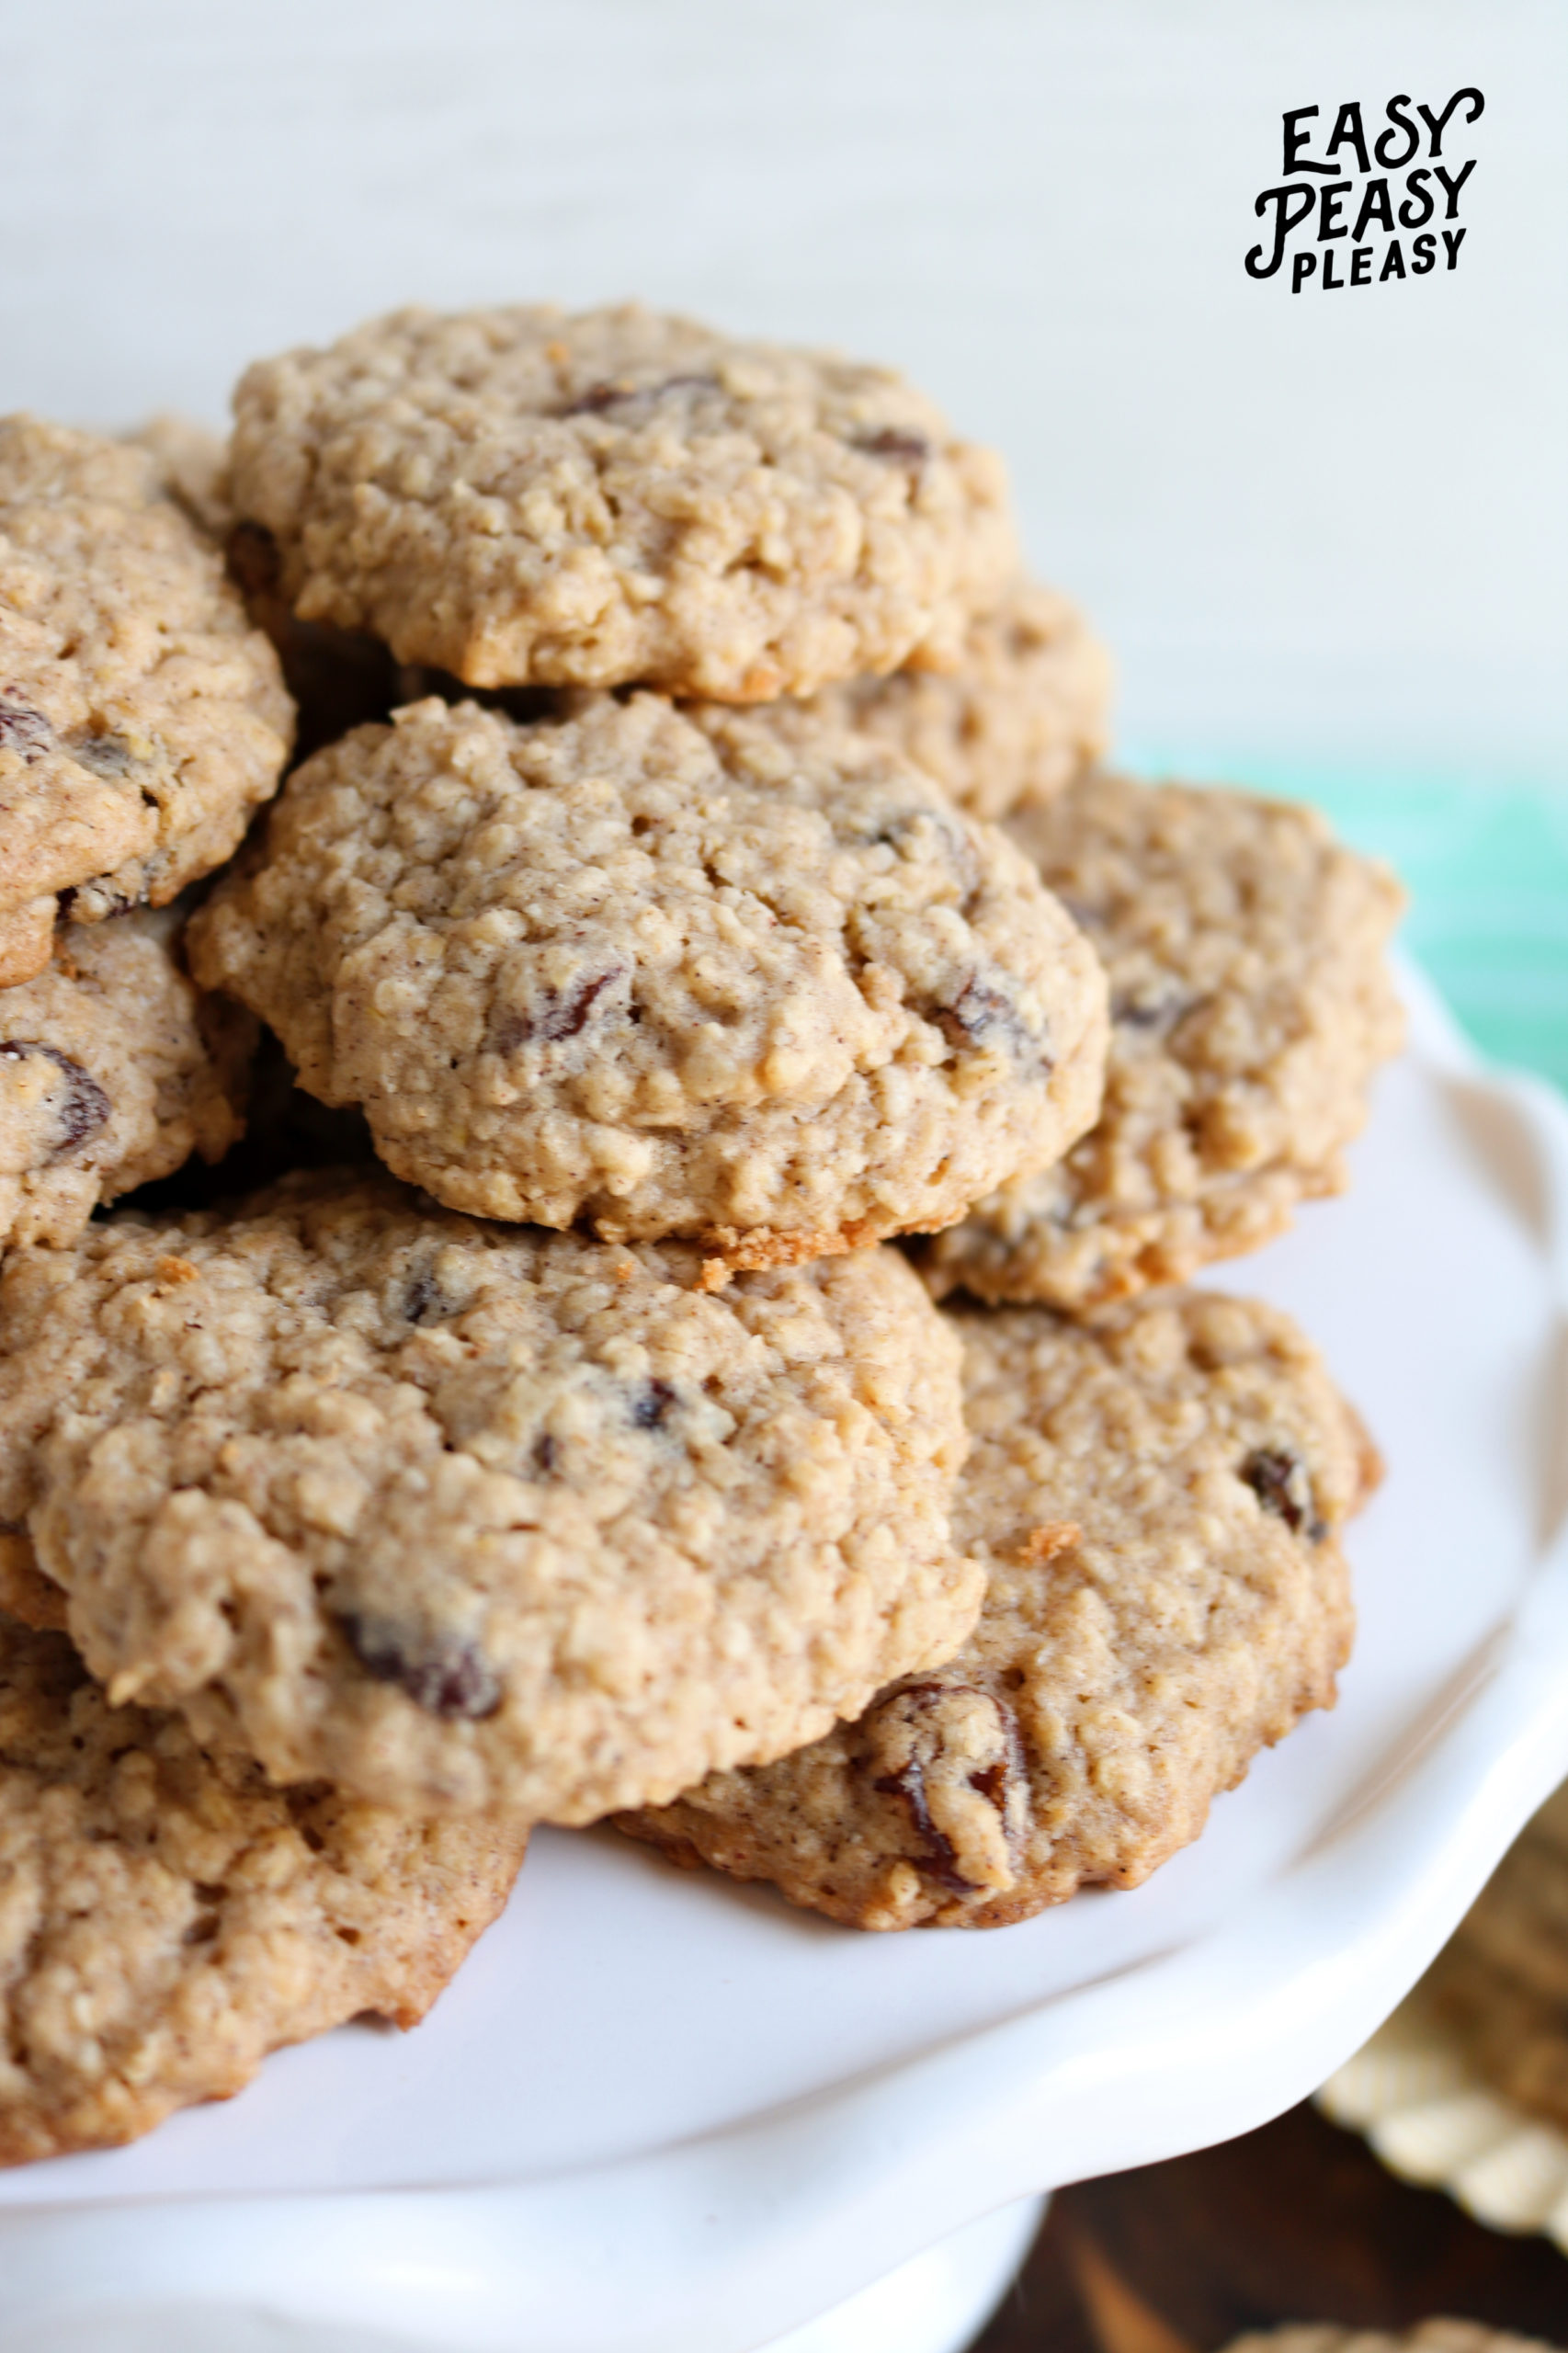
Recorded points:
(1315, 530)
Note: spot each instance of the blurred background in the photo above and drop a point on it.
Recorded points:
(1327, 538)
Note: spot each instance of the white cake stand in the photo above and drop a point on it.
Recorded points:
(661, 2113)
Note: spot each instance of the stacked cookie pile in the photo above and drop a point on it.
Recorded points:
(714, 1361)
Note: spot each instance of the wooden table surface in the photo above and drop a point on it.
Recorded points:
(1297, 2221)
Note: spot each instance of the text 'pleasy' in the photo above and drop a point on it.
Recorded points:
(1400, 179)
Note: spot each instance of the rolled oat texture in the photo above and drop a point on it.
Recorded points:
(735, 977)
(531, 496)
(170, 1917)
(1251, 1004)
(1157, 1501)
(142, 719)
(466, 1517)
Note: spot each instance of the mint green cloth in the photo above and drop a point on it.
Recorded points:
(1486, 867)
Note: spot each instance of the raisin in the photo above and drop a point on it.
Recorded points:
(22, 729)
(991, 1780)
(564, 1013)
(84, 1108)
(596, 399)
(937, 1860)
(652, 1403)
(981, 1016)
(1152, 1005)
(424, 1302)
(909, 832)
(912, 449)
(926, 1733)
(1280, 1481)
(600, 397)
(565, 1016)
(444, 1673)
(977, 1008)
(545, 1454)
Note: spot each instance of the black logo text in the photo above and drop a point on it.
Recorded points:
(1377, 194)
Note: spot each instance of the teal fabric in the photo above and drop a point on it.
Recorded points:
(1486, 867)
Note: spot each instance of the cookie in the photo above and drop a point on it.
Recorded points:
(192, 465)
(1428, 2337)
(1157, 1501)
(170, 1917)
(1503, 1979)
(142, 718)
(463, 1517)
(530, 496)
(1251, 1003)
(735, 977)
(113, 1072)
(1025, 711)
